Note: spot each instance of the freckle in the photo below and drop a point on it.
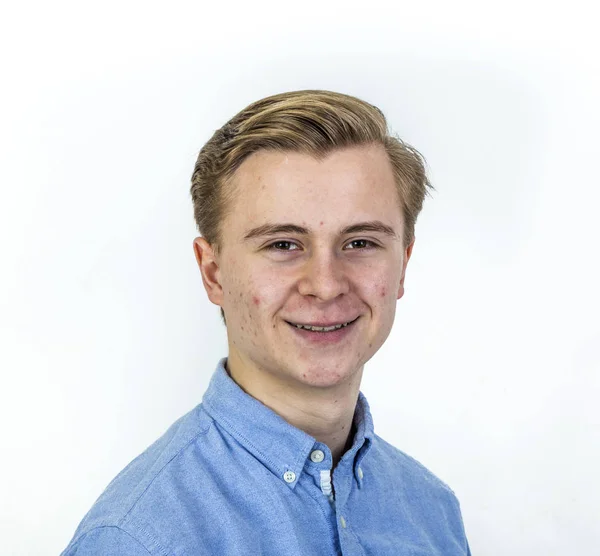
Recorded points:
(370, 345)
(242, 328)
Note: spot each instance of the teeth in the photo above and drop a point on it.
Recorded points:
(321, 328)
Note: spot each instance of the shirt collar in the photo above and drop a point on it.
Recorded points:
(280, 446)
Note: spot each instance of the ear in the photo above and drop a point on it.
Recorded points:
(407, 255)
(209, 268)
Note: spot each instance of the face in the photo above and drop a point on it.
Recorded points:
(314, 243)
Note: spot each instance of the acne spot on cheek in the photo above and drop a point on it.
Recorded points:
(383, 292)
(320, 223)
(255, 300)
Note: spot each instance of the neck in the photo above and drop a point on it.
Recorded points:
(326, 414)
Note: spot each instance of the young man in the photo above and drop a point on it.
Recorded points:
(307, 208)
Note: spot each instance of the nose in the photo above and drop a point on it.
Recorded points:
(324, 276)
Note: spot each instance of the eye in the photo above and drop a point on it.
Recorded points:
(288, 246)
(280, 246)
(362, 246)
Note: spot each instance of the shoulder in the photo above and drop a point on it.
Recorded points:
(399, 466)
(416, 496)
(100, 541)
(107, 520)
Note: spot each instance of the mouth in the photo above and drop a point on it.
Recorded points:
(322, 327)
(323, 334)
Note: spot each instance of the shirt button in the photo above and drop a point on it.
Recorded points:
(343, 522)
(289, 476)
(317, 456)
(360, 473)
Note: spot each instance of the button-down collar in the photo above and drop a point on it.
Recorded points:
(280, 446)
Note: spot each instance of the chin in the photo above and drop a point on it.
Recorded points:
(324, 374)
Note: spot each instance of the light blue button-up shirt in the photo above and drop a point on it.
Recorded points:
(233, 478)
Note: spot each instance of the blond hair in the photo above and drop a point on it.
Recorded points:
(312, 122)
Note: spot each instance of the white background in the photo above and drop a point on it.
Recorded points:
(490, 376)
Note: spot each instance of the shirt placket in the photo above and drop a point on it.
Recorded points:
(344, 482)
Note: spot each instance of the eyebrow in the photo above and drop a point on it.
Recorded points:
(275, 229)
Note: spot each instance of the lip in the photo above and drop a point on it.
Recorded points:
(323, 324)
(331, 338)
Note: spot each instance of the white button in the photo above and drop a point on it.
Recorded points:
(317, 456)
(343, 521)
(360, 473)
(289, 476)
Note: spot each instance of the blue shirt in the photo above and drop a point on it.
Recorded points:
(232, 477)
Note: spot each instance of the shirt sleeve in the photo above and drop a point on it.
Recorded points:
(107, 540)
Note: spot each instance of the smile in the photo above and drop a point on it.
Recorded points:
(315, 328)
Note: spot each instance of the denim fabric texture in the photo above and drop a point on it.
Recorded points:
(233, 478)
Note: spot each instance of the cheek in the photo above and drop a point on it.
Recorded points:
(381, 294)
(242, 297)
(268, 289)
(252, 301)
(380, 287)
(261, 294)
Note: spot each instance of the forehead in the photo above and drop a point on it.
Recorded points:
(350, 184)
